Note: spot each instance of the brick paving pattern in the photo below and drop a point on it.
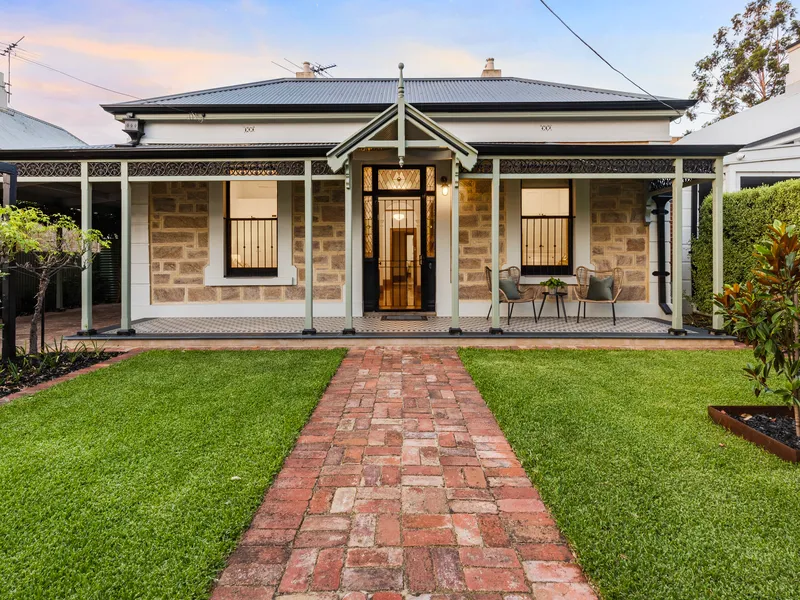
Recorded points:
(402, 485)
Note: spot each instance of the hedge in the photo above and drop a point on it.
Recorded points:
(745, 216)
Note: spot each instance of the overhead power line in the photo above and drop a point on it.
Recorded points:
(601, 57)
(102, 87)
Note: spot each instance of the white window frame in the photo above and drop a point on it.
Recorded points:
(217, 249)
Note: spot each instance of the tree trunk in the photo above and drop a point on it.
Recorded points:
(33, 339)
(796, 418)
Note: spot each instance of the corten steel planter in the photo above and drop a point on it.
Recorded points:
(751, 435)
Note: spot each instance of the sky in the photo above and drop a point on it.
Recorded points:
(151, 48)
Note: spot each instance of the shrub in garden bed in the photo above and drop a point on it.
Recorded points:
(764, 313)
(27, 370)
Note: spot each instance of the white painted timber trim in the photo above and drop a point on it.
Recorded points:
(215, 271)
(582, 228)
(140, 250)
(581, 247)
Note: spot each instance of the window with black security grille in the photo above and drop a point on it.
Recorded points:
(547, 228)
(251, 229)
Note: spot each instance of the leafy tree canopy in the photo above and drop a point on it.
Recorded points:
(749, 62)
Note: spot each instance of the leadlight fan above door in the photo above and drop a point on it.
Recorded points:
(398, 179)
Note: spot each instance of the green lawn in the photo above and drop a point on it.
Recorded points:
(657, 500)
(136, 481)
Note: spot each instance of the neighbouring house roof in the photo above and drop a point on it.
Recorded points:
(21, 131)
(349, 95)
(762, 122)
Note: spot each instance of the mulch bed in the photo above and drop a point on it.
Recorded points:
(778, 428)
(33, 374)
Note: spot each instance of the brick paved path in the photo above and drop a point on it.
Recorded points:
(402, 484)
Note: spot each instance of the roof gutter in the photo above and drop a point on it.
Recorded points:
(320, 150)
(455, 107)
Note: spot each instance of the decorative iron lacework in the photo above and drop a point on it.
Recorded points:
(484, 165)
(665, 185)
(216, 168)
(587, 165)
(659, 184)
(48, 169)
(320, 167)
(699, 165)
(105, 169)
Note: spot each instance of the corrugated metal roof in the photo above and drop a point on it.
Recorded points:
(473, 90)
(21, 131)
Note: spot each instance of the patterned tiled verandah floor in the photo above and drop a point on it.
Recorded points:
(375, 324)
(402, 485)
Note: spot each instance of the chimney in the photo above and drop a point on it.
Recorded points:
(3, 96)
(793, 78)
(306, 73)
(489, 70)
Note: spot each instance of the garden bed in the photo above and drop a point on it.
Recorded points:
(771, 427)
(31, 370)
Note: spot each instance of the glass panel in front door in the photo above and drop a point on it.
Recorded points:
(400, 253)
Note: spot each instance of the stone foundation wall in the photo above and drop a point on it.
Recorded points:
(179, 246)
(620, 236)
(475, 236)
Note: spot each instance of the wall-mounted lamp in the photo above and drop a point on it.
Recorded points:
(445, 186)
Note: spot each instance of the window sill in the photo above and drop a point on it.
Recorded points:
(245, 281)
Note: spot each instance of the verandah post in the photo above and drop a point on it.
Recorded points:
(677, 250)
(125, 252)
(348, 251)
(455, 329)
(86, 273)
(716, 241)
(309, 258)
(495, 328)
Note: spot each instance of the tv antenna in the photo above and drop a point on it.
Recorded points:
(8, 51)
(315, 67)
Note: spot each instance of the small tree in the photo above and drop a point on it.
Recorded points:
(765, 314)
(43, 245)
(749, 61)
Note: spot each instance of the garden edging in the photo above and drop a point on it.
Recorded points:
(722, 416)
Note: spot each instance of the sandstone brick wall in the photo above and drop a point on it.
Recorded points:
(620, 237)
(475, 236)
(179, 248)
(328, 245)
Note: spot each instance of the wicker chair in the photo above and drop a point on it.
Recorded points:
(583, 275)
(527, 295)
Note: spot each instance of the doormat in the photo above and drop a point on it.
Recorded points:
(404, 318)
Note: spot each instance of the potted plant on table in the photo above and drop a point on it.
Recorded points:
(764, 314)
(554, 285)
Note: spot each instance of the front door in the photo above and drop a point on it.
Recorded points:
(399, 243)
